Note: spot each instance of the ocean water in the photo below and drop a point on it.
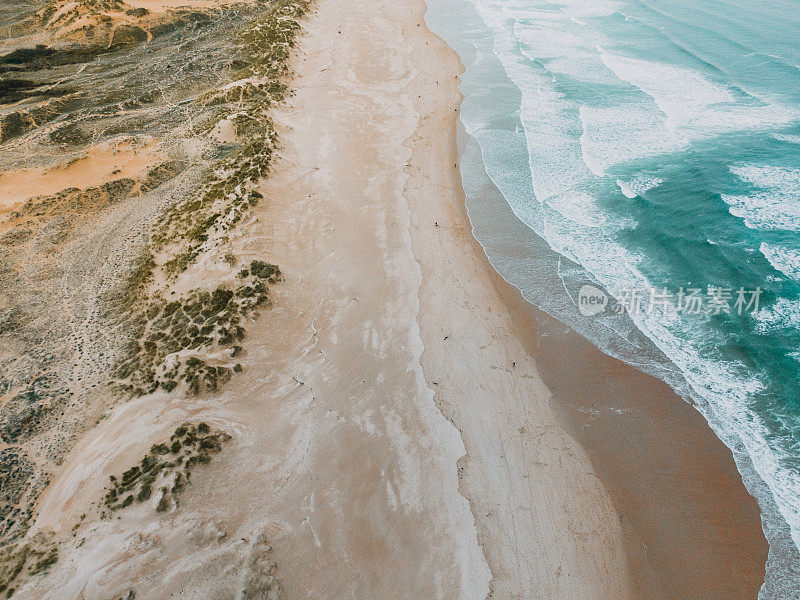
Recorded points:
(655, 145)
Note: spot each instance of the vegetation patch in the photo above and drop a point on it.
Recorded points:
(69, 322)
(200, 222)
(201, 320)
(167, 468)
(15, 471)
(102, 26)
(19, 562)
(19, 122)
(195, 223)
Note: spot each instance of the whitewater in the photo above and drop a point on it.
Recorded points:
(656, 144)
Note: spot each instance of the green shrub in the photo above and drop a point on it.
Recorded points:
(190, 445)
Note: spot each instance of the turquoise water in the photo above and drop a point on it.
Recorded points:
(656, 145)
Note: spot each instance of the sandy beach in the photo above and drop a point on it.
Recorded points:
(405, 427)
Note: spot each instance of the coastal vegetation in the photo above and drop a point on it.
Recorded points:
(200, 221)
(21, 561)
(88, 303)
(199, 321)
(167, 469)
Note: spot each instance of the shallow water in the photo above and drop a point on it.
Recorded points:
(656, 145)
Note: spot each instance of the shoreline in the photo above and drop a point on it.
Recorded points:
(685, 484)
(526, 519)
(715, 546)
(691, 528)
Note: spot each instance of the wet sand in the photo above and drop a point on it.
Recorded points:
(691, 528)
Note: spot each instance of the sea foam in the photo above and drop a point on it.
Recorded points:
(786, 260)
(574, 140)
(632, 188)
(620, 134)
(776, 205)
(783, 137)
(693, 103)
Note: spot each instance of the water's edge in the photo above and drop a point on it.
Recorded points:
(544, 279)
